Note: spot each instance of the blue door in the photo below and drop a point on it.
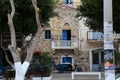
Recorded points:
(64, 37)
(67, 60)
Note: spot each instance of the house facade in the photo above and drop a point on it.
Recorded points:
(70, 41)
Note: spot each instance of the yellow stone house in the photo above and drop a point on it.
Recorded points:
(70, 41)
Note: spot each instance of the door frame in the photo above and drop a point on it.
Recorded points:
(90, 56)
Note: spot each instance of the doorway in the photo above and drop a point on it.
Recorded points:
(97, 60)
(66, 36)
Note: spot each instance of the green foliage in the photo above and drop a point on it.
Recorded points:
(93, 11)
(41, 61)
(24, 19)
(46, 10)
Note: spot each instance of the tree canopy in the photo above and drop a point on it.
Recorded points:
(92, 10)
(24, 19)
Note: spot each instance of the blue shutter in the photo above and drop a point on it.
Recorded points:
(71, 2)
(64, 59)
(69, 60)
(64, 1)
(47, 34)
(64, 37)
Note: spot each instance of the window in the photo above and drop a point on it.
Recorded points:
(47, 34)
(68, 1)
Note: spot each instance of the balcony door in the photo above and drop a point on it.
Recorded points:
(66, 35)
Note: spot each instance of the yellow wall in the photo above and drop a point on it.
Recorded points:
(77, 3)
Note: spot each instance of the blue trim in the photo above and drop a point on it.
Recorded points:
(67, 59)
(64, 1)
(47, 34)
(64, 37)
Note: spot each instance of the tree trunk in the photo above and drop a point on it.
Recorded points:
(21, 68)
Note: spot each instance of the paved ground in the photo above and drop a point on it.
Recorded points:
(67, 76)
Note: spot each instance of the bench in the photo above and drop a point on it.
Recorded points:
(86, 73)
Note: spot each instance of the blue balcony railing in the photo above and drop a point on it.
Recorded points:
(99, 36)
(91, 35)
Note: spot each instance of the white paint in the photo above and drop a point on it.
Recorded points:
(20, 70)
(25, 66)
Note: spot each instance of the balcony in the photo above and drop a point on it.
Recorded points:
(64, 44)
(99, 36)
(94, 36)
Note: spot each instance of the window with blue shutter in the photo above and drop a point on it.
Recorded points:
(68, 1)
(71, 1)
(64, 1)
(47, 34)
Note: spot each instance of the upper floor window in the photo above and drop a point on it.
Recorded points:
(68, 1)
(47, 34)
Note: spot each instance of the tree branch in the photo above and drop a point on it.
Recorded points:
(11, 26)
(36, 39)
(37, 11)
(12, 47)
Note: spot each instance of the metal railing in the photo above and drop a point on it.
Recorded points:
(99, 36)
(70, 44)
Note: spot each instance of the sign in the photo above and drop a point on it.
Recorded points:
(109, 60)
(108, 52)
(6, 39)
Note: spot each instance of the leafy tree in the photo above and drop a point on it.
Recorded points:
(24, 19)
(93, 11)
(31, 17)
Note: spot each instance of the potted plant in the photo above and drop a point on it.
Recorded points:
(40, 67)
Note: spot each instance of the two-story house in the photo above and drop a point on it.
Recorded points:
(62, 37)
(70, 41)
